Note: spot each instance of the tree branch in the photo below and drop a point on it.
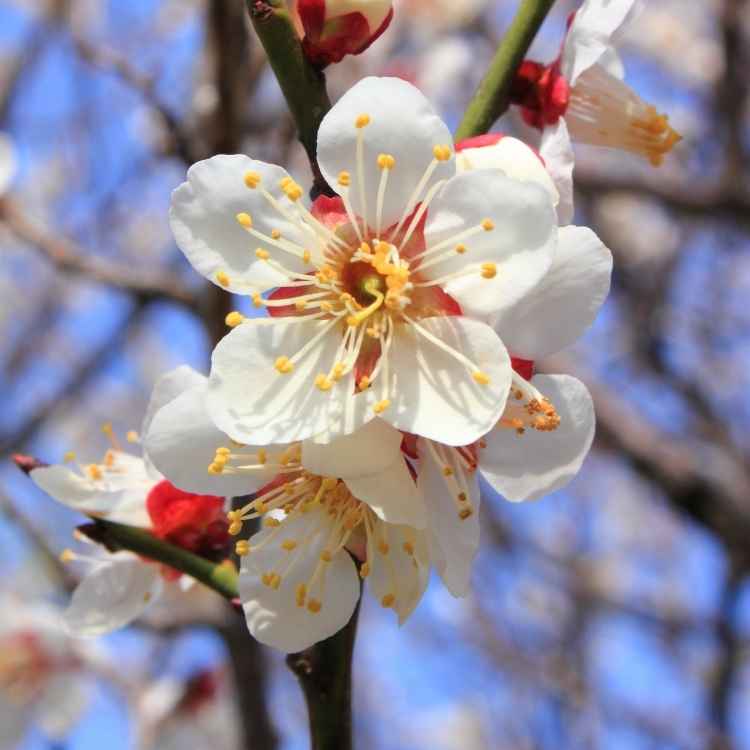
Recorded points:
(303, 86)
(491, 98)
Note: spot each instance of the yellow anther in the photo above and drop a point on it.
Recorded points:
(481, 377)
(223, 279)
(442, 153)
(234, 515)
(381, 406)
(271, 522)
(107, 429)
(300, 305)
(362, 121)
(323, 383)
(383, 548)
(109, 459)
(67, 555)
(461, 249)
(275, 234)
(314, 606)
(447, 471)
(283, 365)
(252, 179)
(242, 547)
(364, 383)
(338, 371)
(329, 483)
(344, 179)
(326, 556)
(386, 161)
(326, 306)
(235, 527)
(289, 545)
(69, 457)
(408, 548)
(132, 436)
(222, 450)
(220, 460)
(462, 497)
(244, 220)
(489, 270)
(388, 600)
(262, 456)
(465, 513)
(233, 319)
(364, 571)
(285, 181)
(293, 191)
(488, 225)
(215, 468)
(257, 300)
(306, 255)
(262, 254)
(300, 594)
(94, 471)
(275, 581)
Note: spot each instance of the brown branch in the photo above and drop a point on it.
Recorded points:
(69, 258)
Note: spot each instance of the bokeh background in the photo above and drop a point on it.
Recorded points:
(614, 614)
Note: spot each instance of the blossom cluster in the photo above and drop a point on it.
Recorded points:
(396, 363)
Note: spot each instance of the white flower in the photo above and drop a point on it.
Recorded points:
(42, 672)
(317, 502)
(8, 162)
(371, 284)
(582, 95)
(118, 588)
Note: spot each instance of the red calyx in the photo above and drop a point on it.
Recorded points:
(541, 92)
(478, 141)
(524, 367)
(196, 523)
(201, 690)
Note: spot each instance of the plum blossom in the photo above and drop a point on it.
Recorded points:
(378, 291)
(117, 588)
(582, 95)
(331, 29)
(320, 503)
(42, 672)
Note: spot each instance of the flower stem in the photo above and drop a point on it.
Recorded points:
(491, 98)
(220, 577)
(324, 672)
(303, 85)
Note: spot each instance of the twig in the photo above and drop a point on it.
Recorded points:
(303, 86)
(325, 674)
(67, 257)
(491, 98)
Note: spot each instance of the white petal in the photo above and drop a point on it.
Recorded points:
(8, 163)
(372, 465)
(112, 595)
(521, 243)
(435, 395)
(61, 705)
(253, 403)
(453, 541)
(203, 220)
(168, 387)
(182, 442)
(557, 151)
(565, 304)
(273, 616)
(402, 124)
(398, 573)
(120, 495)
(514, 158)
(528, 466)
(590, 34)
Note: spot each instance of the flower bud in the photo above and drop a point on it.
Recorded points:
(331, 29)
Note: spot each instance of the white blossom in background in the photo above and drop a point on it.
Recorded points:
(118, 588)
(582, 96)
(43, 672)
(317, 502)
(378, 292)
(8, 163)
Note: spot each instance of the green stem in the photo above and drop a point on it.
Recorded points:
(324, 672)
(222, 578)
(491, 98)
(303, 86)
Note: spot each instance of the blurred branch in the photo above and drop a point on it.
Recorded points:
(491, 98)
(325, 674)
(69, 258)
(303, 86)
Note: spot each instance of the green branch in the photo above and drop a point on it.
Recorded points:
(222, 578)
(491, 98)
(303, 85)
